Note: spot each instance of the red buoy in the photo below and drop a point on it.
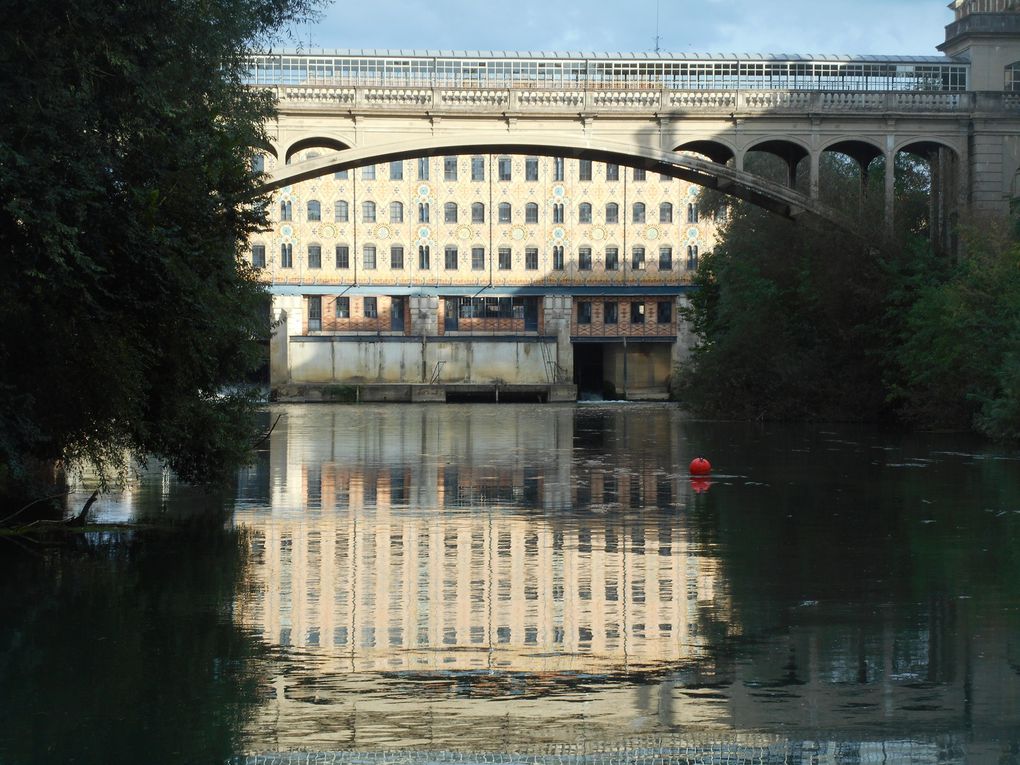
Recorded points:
(700, 466)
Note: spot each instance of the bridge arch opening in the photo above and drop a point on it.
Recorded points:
(846, 170)
(315, 142)
(789, 153)
(714, 151)
(940, 176)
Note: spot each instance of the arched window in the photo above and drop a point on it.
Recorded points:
(258, 163)
(639, 212)
(423, 212)
(612, 213)
(1013, 77)
(286, 210)
(423, 257)
(505, 212)
(341, 211)
(531, 213)
(557, 213)
(584, 213)
(477, 212)
(396, 212)
(314, 210)
(368, 212)
(692, 213)
(450, 212)
(665, 213)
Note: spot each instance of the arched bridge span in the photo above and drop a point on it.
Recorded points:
(727, 180)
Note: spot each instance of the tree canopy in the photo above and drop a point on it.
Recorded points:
(126, 198)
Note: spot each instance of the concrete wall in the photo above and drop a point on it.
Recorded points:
(349, 360)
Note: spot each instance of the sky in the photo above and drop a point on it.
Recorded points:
(893, 27)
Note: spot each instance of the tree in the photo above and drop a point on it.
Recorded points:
(126, 134)
(790, 320)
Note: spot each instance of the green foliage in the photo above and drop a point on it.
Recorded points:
(790, 319)
(125, 200)
(957, 362)
(795, 323)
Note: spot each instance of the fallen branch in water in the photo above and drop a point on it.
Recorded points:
(84, 514)
(11, 517)
(268, 433)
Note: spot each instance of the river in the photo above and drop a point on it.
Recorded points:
(468, 583)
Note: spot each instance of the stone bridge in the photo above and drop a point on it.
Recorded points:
(959, 111)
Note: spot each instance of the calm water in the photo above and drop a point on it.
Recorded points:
(417, 583)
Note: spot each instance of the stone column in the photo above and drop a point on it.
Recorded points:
(558, 310)
(815, 159)
(288, 320)
(890, 190)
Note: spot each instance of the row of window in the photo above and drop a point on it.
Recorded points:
(497, 308)
(451, 212)
(451, 258)
(611, 312)
(504, 170)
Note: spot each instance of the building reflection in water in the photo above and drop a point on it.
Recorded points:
(452, 541)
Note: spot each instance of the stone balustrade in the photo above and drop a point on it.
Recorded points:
(624, 101)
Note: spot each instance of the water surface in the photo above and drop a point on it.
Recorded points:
(404, 583)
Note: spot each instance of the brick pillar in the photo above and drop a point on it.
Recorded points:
(288, 320)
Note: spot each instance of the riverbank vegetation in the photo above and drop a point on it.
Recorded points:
(126, 198)
(801, 323)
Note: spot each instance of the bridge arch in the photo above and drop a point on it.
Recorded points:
(314, 142)
(737, 183)
(718, 151)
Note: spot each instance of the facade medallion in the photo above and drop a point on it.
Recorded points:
(287, 231)
(558, 233)
(651, 233)
(559, 192)
(382, 232)
(598, 234)
(423, 192)
(328, 231)
(692, 232)
(464, 233)
(518, 233)
(423, 233)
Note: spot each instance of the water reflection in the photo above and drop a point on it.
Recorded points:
(489, 578)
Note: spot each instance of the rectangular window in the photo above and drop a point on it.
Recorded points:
(368, 173)
(368, 257)
(584, 170)
(341, 211)
(505, 169)
(343, 308)
(423, 168)
(637, 313)
(286, 256)
(612, 172)
(451, 258)
(557, 258)
(258, 256)
(478, 168)
(478, 213)
(531, 258)
(665, 258)
(505, 255)
(664, 312)
(449, 168)
(531, 213)
(505, 212)
(397, 171)
(368, 212)
(584, 259)
(664, 178)
(557, 168)
(450, 212)
(477, 258)
(584, 312)
(639, 173)
(531, 169)
(343, 256)
(370, 308)
(314, 312)
(612, 258)
(314, 256)
(637, 261)
(611, 312)
(396, 257)
(396, 212)
(340, 175)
